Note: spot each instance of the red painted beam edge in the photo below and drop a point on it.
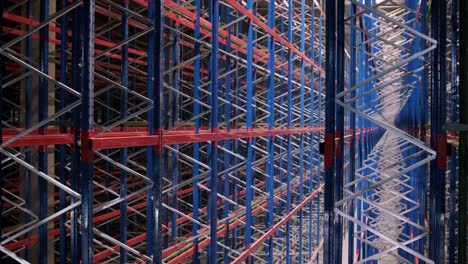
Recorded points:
(40, 140)
(244, 255)
(138, 137)
(273, 33)
(185, 255)
(103, 254)
(259, 54)
(130, 140)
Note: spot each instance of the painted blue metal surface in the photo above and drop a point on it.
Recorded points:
(290, 139)
(62, 152)
(154, 161)
(438, 141)
(319, 123)
(312, 152)
(271, 122)
(27, 124)
(301, 137)
(213, 161)
(453, 117)
(77, 58)
(250, 87)
(423, 106)
(196, 146)
(123, 115)
(339, 127)
(226, 16)
(352, 117)
(42, 115)
(246, 90)
(87, 123)
(330, 92)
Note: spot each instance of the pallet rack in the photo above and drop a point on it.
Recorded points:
(169, 146)
(189, 131)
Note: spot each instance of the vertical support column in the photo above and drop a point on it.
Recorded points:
(153, 159)
(301, 136)
(330, 92)
(463, 143)
(339, 126)
(107, 118)
(42, 112)
(281, 140)
(438, 139)
(290, 138)
(2, 69)
(250, 116)
(319, 124)
(236, 143)
(27, 124)
(175, 115)
(196, 145)
(212, 206)
(422, 187)
(62, 153)
(452, 199)
(87, 119)
(227, 144)
(271, 123)
(75, 148)
(352, 118)
(51, 105)
(123, 115)
(312, 109)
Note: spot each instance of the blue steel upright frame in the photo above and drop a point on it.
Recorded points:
(42, 115)
(352, 118)
(87, 123)
(453, 236)
(203, 120)
(213, 156)
(438, 134)
(382, 96)
(204, 124)
(339, 125)
(329, 155)
(154, 153)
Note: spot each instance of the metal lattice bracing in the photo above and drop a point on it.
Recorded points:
(176, 131)
(390, 64)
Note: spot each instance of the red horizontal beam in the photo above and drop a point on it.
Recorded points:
(122, 140)
(31, 241)
(272, 32)
(190, 252)
(138, 136)
(258, 205)
(40, 140)
(32, 22)
(103, 254)
(246, 254)
(237, 43)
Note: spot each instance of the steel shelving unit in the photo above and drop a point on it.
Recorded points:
(167, 131)
(226, 131)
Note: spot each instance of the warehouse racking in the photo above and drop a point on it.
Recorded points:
(188, 131)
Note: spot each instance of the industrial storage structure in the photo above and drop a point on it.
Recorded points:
(233, 131)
